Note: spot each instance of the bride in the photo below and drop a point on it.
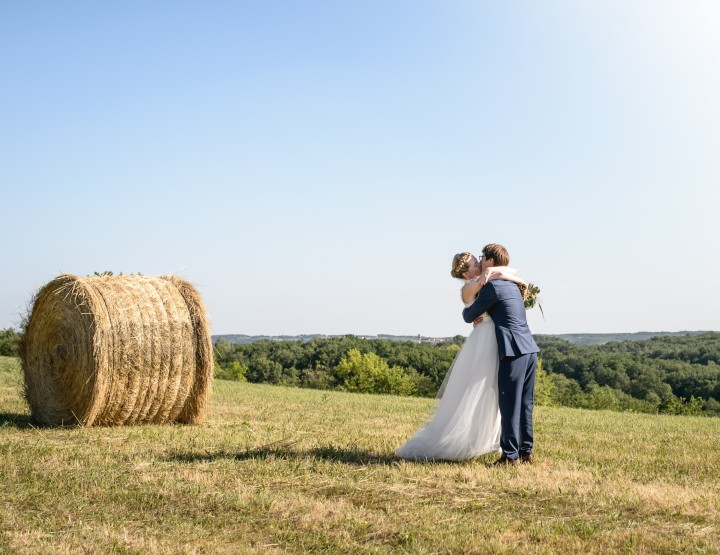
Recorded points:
(466, 423)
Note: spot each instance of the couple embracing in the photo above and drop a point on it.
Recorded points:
(486, 399)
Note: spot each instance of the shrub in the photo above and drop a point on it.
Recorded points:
(369, 373)
(9, 343)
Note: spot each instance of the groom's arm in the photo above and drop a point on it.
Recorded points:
(484, 301)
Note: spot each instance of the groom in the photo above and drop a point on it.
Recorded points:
(518, 357)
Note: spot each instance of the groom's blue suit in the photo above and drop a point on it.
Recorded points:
(518, 360)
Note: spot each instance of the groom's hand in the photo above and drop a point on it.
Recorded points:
(477, 321)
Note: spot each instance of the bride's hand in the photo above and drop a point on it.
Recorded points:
(484, 277)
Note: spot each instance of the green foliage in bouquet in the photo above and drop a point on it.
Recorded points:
(530, 297)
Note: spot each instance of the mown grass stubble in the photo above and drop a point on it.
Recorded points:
(289, 470)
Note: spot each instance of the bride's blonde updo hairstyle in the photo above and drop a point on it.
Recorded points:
(460, 264)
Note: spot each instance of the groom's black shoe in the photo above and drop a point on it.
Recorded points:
(526, 459)
(504, 461)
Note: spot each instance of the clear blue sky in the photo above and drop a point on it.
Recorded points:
(313, 166)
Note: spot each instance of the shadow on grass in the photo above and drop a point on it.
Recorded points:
(357, 457)
(13, 420)
(285, 450)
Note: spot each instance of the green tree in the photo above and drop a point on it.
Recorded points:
(544, 387)
(601, 398)
(233, 371)
(369, 373)
(565, 392)
(9, 343)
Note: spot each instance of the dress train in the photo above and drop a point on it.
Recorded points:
(466, 423)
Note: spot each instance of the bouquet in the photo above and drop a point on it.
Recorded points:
(530, 297)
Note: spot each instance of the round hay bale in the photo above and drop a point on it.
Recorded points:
(117, 350)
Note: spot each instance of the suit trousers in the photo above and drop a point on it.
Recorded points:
(516, 384)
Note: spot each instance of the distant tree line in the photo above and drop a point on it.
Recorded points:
(664, 374)
(669, 374)
(346, 363)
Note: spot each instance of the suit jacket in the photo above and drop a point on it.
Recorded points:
(503, 301)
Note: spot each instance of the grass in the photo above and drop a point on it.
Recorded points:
(280, 470)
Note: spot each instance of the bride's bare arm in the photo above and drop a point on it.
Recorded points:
(500, 272)
(470, 290)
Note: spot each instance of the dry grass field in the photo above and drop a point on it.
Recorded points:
(280, 470)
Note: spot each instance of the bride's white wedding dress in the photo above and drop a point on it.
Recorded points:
(467, 421)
